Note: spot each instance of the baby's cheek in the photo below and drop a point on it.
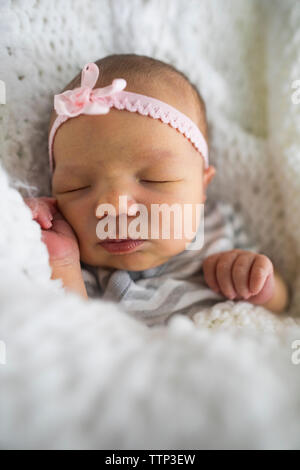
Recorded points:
(76, 215)
(171, 247)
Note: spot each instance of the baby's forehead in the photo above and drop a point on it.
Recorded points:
(122, 155)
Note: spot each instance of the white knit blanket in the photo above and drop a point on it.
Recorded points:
(79, 375)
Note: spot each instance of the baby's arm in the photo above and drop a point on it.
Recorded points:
(240, 274)
(71, 277)
(234, 276)
(61, 243)
(280, 298)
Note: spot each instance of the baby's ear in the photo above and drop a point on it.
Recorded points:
(209, 173)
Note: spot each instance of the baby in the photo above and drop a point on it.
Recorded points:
(100, 152)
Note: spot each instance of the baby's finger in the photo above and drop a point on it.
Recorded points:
(241, 273)
(61, 226)
(223, 273)
(260, 270)
(209, 270)
(40, 211)
(51, 203)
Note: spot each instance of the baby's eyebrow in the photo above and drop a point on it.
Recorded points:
(72, 167)
(157, 153)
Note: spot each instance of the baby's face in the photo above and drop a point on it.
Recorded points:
(102, 157)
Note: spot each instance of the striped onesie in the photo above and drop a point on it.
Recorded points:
(177, 286)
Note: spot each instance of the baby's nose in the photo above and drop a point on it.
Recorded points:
(116, 204)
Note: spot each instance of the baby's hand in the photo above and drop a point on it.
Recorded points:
(240, 274)
(57, 234)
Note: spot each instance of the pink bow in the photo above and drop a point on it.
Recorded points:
(85, 100)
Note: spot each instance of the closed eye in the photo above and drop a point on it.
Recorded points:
(77, 189)
(151, 181)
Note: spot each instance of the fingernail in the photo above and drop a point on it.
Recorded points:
(252, 292)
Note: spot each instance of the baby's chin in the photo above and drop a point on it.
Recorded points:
(133, 262)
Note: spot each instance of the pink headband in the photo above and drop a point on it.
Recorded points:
(85, 100)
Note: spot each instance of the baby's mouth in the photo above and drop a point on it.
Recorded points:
(120, 240)
(121, 246)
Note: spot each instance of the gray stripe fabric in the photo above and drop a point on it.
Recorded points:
(177, 286)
